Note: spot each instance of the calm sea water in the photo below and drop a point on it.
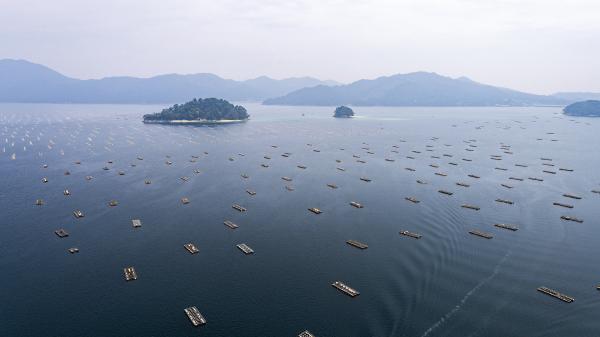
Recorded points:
(448, 283)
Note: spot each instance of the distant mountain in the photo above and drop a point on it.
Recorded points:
(577, 96)
(23, 81)
(413, 89)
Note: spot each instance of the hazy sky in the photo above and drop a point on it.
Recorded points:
(539, 46)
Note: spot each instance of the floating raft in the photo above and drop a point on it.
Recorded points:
(334, 186)
(462, 184)
(476, 208)
(345, 289)
(245, 248)
(505, 201)
(357, 244)
(251, 192)
(238, 208)
(412, 199)
(301, 167)
(78, 214)
(481, 234)
(191, 248)
(286, 178)
(306, 333)
(130, 274)
(365, 179)
(571, 218)
(505, 185)
(445, 192)
(566, 195)
(61, 233)
(474, 176)
(356, 204)
(230, 224)
(506, 226)
(195, 316)
(411, 234)
(562, 205)
(315, 210)
(556, 294)
(136, 223)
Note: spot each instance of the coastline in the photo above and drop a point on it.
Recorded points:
(195, 121)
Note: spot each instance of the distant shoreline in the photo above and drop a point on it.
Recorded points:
(302, 105)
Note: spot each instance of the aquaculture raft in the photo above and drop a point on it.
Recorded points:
(195, 316)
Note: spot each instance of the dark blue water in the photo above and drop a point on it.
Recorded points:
(448, 283)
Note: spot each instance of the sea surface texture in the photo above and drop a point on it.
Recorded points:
(447, 283)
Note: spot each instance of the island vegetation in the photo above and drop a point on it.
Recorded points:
(198, 110)
(589, 108)
(343, 112)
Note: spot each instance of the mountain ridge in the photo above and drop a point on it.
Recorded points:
(27, 82)
(414, 89)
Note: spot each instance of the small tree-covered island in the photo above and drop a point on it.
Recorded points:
(583, 109)
(343, 112)
(200, 111)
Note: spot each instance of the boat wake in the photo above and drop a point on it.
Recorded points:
(464, 300)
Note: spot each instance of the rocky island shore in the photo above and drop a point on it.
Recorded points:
(200, 111)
